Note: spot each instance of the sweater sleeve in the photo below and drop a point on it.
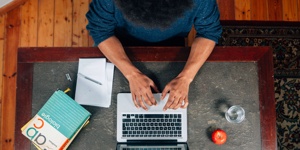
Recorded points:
(207, 23)
(101, 20)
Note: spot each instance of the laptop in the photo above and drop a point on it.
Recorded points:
(152, 129)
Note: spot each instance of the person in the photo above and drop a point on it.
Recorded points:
(154, 21)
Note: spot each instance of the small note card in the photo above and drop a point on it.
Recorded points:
(94, 82)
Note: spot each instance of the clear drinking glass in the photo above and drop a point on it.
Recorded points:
(235, 114)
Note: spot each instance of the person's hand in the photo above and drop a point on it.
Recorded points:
(140, 87)
(178, 96)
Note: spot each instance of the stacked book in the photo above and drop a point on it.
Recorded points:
(57, 123)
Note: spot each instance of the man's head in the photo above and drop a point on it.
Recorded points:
(153, 13)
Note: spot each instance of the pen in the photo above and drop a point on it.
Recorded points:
(90, 79)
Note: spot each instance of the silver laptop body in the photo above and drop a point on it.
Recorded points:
(179, 146)
(127, 113)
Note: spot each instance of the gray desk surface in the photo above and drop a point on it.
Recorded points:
(216, 86)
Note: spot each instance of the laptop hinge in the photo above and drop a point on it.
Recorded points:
(152, 142)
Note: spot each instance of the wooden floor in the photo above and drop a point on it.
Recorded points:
(61, 23)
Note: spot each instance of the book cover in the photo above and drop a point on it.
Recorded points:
(57, 123)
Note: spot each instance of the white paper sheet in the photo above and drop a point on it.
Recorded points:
(109, 78)
(92, 72)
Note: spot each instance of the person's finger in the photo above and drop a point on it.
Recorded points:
(151, 98)
(154, 87)
(175, 102)
(147, 100)
(141, 102)
(179, 104)
(186, 103)
(134, 100)
(169, 102)
(164, 92)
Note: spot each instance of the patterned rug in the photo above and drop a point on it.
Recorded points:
(284, 38)
(287, 91)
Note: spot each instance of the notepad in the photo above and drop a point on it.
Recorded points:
(57, 123)
(94, 82)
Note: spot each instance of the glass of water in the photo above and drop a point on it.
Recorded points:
(235, 114)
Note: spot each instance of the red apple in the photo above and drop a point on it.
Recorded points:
(219, 136)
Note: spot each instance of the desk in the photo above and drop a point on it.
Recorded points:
(205, 91)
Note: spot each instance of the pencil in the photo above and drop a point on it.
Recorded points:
(90, 79)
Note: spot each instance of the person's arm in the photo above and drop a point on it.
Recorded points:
(179, 87)
(140, 84)
(101, 26)
(209, 30)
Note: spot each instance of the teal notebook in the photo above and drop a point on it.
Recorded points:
(57, 123)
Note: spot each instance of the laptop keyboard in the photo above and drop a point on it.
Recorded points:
(151, 125)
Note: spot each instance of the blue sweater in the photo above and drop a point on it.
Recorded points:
(105, 19)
